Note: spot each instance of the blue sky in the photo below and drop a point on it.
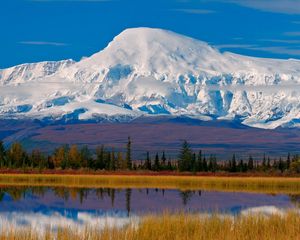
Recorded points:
(37, 30)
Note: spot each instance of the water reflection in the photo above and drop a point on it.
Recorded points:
(56, 206)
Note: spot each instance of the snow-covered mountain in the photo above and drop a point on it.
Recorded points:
(147, 71)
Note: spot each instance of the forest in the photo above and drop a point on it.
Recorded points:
(102, 158)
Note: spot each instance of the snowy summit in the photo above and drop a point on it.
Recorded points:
(146, 71)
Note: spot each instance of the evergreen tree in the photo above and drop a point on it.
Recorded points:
(250, 163)
(2, 155)
(213, 163)
(240, 167)
(194, 163)
(163, 159)
(169, 166)
(288, 161)
(112, 160)
(128, 154)
(205, 167)
(86, 159)
(148, 162)
(264, 163)
(36, 159)
(210, 163)
(185, 157)
(107, 161)
(156, 165)
(65, 163)
(281, 165)
(100, 162)
(199, 162)
(50, 163)
(233, 164)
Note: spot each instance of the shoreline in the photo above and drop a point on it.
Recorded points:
(85, 172)
(285, 185)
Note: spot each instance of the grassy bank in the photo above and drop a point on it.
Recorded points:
(181, 227)
(244, 184)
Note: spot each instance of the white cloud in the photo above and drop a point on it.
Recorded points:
(278, 50)
(57, 44)
(292, 51)
(292, 34)
(277, 6)
(281, 41)
(235, 46)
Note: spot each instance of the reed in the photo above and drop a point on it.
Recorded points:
(180, 227)
(241, 184)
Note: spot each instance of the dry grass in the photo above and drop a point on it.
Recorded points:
(242, 184)
(183, 227)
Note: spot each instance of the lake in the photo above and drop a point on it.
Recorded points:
(41, 207)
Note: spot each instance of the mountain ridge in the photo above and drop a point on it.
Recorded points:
(153, 71)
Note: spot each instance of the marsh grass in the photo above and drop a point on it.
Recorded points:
(241, 184)
(181, 227)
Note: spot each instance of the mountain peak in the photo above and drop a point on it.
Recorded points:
(156, 50)
(155, 71)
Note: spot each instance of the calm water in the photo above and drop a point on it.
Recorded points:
(44, 206)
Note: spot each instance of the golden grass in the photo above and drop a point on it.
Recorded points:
(243, 184)
(182, 227)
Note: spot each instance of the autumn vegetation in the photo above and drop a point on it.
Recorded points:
(73, 157)
(178, 227)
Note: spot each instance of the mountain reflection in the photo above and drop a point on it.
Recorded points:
(130, 202)
(17, 193)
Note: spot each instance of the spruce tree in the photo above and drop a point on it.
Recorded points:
(128, 155)
(148, 162)
(205, 167)
(185, 157)
(194, 163)
(214, 164)
(250, 163)
(163, 159)
(107, 161)
(288, 161)
(86, 157)
(281, 165)
(169, 167)
(233, 164)
(210, 163)
(2, 154)
(199, 162)
(112, 160)
(264, 163)
(156, 166)
(240, 167)
(100, 163)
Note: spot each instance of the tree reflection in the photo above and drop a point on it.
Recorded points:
(295, 199)
(128, 201)
(82, 194)
(186, 196)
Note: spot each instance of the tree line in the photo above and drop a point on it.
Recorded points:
(73, 157)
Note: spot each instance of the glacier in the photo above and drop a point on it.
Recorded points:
(146, 72)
